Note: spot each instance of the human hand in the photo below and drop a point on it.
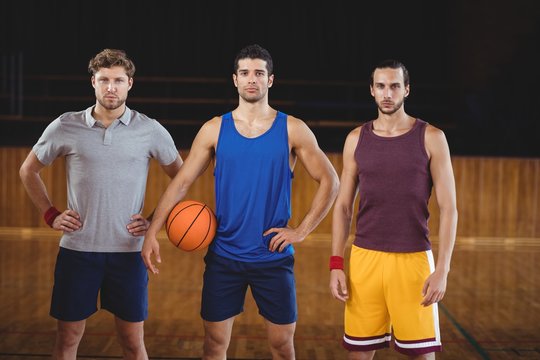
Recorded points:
(150, 247)
(338, 284)
(434, 288)
(283, 237)
(138, 225)
(68, 221)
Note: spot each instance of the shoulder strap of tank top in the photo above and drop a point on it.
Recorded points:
(281, 116)
(227, 116)
(367, 127)
(225, 120)
(422, 125)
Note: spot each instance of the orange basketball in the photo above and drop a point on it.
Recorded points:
(191, 225)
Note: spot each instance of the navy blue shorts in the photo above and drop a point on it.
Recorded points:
(272, 285)
(121, 279)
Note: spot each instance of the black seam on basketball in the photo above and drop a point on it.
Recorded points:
(172, 220)
(207, 230)
(190, 225)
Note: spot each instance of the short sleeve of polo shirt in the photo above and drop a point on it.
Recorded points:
(51, 143)
(163, 148)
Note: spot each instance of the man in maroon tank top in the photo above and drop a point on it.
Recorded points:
(394, 284)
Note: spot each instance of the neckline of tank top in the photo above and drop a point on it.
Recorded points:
(417, 123)
(258, 136)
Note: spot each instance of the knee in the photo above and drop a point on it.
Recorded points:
(215, 344)
(282, 347)
(132, 345)
(68, 336)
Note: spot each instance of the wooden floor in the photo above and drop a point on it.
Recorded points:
(491, 311)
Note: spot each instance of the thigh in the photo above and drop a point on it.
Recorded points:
(78, 277)
(367, 321)
(224, 288)
(416, 327)
(274, 290)
(125, 286)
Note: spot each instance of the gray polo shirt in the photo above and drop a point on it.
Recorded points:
(106, 171)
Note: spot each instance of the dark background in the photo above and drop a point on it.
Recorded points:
(473, 64)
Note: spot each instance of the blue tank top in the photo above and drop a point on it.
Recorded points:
(253, 181)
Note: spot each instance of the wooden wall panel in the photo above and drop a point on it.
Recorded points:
(302, 194)
(16, 208)
(496, 197)
(467, 177)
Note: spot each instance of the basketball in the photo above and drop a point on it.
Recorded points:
(191, 225)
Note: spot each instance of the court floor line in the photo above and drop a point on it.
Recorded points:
(466, 335)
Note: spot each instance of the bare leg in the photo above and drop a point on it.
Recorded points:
(361, 355)
(430, 356)
(217, 336)
(131, 338)
(68, 337)
(281, 340)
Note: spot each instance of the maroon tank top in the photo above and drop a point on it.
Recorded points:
(394, 184)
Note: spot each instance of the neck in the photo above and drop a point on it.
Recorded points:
(395, 120)
(107, 116)
(253, 111)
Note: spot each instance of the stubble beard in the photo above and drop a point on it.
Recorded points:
(393, 110)
(251, 98)
(112, 105)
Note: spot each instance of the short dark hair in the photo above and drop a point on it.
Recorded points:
(392, 64)
(108, 58)
(255, 51)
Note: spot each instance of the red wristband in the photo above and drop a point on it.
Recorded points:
(336, 262)
(50, 215)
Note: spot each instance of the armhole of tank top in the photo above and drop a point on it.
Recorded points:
(359, 139)
(286, 132)
(362, 133)
(422, 138)
(221, 128)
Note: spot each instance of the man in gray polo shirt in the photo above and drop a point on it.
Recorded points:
(107, 148)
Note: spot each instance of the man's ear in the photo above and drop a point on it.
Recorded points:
(270, 80)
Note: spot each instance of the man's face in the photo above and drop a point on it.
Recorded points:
(252, 79)
(111, 86)
(388, 90)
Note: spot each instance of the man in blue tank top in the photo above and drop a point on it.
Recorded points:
(393, 287)
(254, 149)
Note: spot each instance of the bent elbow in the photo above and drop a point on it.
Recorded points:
(23, 171)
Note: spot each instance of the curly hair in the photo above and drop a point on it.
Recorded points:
(108, 58)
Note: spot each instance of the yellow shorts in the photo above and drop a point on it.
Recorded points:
(385, 292)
